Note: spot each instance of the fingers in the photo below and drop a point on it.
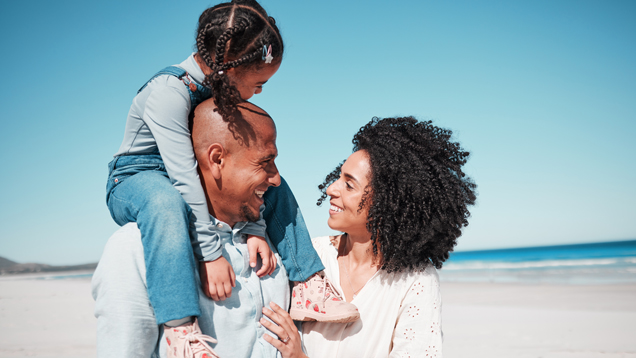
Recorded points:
(269, 262)
(264, 269)
(203, 275)
(280, 316)
(224, 287)
(217, 279)
(252, 250)
(278, 309)
(212, 293)
(285, 317)
(289, 342)
(274, 263)
(274, 342)
(232, 278)
(276, 329)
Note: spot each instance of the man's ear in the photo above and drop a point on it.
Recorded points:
(216, 159)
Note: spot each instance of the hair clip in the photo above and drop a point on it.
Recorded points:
(267, 54)
(220, 72)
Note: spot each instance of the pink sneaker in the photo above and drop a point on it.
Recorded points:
(187, 341)
(317, 300)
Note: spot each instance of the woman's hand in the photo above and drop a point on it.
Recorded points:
(289, 344)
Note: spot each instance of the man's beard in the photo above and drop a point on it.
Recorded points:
(248, 215)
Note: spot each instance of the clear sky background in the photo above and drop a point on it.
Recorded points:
(543, 94)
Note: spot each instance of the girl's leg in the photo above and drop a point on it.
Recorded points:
(163, 218)
(313, 296)
(287, 231)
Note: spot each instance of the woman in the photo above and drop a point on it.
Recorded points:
(400, 200)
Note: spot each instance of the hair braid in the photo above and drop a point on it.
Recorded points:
(201, 48)
(221, 42)
(232, 35)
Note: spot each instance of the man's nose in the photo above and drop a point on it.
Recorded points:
(273, 177)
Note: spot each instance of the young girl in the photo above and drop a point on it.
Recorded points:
(239, 48)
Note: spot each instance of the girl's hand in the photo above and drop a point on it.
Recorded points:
(283, 328)
(217, 278)
(257, 245)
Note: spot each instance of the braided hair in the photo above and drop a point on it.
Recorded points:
(232, 35)
(418, 195)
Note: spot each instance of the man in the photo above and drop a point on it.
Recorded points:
(237, 167)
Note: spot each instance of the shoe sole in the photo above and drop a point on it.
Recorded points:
(304, 316)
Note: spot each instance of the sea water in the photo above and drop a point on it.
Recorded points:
(596, 263)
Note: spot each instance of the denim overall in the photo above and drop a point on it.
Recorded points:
(140, 190)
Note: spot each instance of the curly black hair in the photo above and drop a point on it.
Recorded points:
(232, 35)
(418, 197)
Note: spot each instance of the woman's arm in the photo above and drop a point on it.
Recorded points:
(418, 330)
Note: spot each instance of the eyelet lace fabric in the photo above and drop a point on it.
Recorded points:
(400, 316)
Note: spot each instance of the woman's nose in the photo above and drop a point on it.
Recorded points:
(331, 189)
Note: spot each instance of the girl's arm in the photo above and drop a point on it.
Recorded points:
(418, 331)
(166, 115)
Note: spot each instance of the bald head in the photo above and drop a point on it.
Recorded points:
(246, 130)
(236, 160)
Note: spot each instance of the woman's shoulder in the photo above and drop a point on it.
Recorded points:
(324, 244)
(420, 278)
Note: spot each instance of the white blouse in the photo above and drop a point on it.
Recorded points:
(400, 315)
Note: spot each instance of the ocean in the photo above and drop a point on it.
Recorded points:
(578, 264)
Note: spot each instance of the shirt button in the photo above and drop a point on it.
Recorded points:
(219, 225)
(259, 325)
(245, 279)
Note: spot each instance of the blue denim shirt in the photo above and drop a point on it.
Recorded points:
(234, 322)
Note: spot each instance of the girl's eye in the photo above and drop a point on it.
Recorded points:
(349, 187)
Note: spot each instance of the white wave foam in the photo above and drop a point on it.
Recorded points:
(503, 265)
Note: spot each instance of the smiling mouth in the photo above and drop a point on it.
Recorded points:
(335, 209)
(259, 193)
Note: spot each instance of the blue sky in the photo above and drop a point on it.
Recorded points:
(543, 94)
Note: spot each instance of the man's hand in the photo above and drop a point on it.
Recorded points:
(257, 245)
(217, 278)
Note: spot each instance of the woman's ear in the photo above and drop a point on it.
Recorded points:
(216, 159)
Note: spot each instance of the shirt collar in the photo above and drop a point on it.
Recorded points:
(193, 69)
(224, 230)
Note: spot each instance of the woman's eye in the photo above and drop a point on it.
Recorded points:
(349, 187)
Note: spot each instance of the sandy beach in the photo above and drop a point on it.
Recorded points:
(54, 318)
(547, 321)
(50, 318)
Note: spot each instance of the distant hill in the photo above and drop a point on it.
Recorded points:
(4, 263)
(8, 267)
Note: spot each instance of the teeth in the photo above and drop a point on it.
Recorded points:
(335, 208)
(259, 193)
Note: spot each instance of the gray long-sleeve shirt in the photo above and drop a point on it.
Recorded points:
(158, 119)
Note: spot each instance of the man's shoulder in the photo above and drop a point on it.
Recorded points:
(128, 230)
(126, 236)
